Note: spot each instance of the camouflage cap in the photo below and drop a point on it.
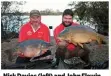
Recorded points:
(35, 13)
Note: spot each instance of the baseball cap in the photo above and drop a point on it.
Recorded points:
(35, 13)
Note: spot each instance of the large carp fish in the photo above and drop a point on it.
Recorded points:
(32, 48)
(79, 35)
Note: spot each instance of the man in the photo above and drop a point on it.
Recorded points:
(68, 50)
(34, 29)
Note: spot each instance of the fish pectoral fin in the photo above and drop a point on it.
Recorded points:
(90, 40)
(80, 45)
(74, 43)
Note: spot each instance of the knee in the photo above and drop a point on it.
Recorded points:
(59, 53)
(68, 55)
(83, 52)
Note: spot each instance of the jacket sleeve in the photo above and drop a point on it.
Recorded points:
(56, 32)
(22, 34)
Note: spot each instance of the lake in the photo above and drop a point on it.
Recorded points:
(53, 21)
(49, 20)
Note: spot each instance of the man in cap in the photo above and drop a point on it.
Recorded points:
(34, 29)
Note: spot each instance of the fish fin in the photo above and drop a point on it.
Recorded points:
(99, 40)
(74, 43)
(90, 40)
(80, 45)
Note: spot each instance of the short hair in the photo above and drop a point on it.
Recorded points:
(68, 12)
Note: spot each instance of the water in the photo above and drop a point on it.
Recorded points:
(53, 21)
(14, 23)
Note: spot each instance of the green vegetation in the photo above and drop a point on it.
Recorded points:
(93, 12)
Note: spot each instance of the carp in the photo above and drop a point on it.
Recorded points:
(79, 35)
(32, 48)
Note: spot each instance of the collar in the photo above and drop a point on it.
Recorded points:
(34, 29)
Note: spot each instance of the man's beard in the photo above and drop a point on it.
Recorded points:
(66, 25)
